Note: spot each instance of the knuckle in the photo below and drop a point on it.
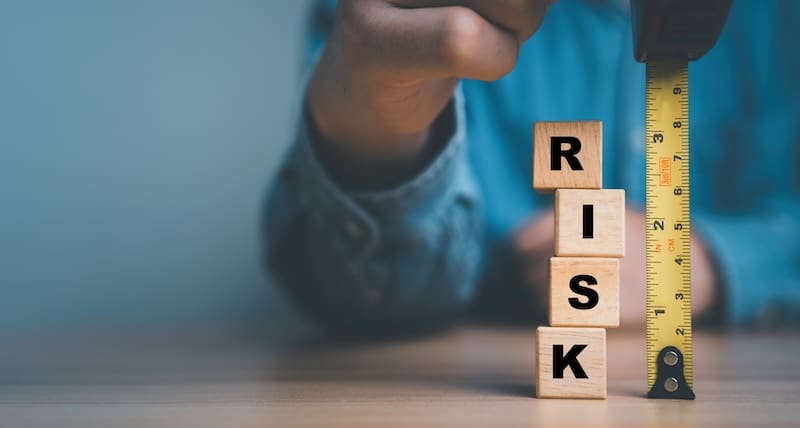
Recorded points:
(524, 17)
(534, 12)
(469, 51)
(506, 66)
(517, 5)
(462, 30)
(503, 65)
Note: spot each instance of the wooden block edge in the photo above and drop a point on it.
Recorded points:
(560, 253)
(602, 396)
(539, 187)
(553, 323)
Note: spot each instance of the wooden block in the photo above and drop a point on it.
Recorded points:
(584, 292)
(570, 362)
(590, 223)
(567, 155)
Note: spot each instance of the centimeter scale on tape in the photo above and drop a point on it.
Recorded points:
(669, 314)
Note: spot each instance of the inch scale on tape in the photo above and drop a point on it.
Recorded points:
(669, 314)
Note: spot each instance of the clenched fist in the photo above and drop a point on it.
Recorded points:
(390, 67)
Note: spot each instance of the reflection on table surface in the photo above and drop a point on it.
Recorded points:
(470, 376)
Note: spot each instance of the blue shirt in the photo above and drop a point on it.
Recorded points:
(416, 253)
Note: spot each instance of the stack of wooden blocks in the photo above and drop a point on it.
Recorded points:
(584, 273)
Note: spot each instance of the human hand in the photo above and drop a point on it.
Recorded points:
(390, 67)
(535, 243)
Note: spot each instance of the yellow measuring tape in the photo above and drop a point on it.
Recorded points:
(669, 314)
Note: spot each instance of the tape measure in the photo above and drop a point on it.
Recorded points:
(669, 312)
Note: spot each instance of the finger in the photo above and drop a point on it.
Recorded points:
(519, 17)
(429, 43)
(535, 280)
(536, 270)
(537, 235)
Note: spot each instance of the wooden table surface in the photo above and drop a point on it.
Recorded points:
(472, 376)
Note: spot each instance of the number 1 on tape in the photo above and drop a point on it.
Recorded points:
(669, 315)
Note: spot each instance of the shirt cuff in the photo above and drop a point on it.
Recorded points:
(358, 216)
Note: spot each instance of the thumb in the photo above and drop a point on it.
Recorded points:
(435, 42)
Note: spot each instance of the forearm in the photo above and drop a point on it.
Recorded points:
(371, 116)
(370, 122)
(389, 68)
(395, 258)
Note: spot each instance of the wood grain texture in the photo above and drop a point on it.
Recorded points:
(590, 156)
(470, 377)
(592, 359)
(564, 270)
(608, 226)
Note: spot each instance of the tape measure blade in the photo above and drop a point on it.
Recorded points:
(667, 213)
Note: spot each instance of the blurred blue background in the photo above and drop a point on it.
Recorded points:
(137, 140)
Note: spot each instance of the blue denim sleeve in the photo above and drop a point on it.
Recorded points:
(758, 259)
(400, 258)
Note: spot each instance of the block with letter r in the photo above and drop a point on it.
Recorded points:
(567, 155)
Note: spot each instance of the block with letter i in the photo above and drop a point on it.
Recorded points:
(584, 274)
(590, 223)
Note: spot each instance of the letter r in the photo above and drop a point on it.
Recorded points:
(557, 151)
